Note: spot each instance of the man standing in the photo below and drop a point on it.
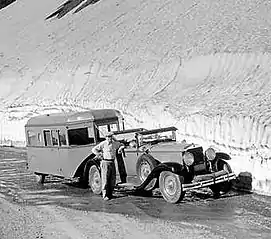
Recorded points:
(108, 149)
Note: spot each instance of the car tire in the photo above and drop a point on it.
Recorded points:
(95, 180)
(225, 186)
(171, 186)
(144, 165)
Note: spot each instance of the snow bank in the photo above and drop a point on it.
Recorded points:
(208, 105)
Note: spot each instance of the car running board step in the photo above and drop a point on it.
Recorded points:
(210, 179)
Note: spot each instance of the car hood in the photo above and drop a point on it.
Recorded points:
(170, 146)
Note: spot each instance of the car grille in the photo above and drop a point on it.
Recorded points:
(198, 155)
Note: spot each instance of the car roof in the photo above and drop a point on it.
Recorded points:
(154, 131)
(127, 131)
(63, 118)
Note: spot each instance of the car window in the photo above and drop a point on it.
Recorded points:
(80, 136)
(158, 137)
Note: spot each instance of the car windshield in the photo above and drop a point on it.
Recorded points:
(158, 135)
(127, 136)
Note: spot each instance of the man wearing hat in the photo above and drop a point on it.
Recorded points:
(107, 150)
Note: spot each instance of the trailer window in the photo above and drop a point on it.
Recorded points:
(47, 138)
(113, 127)
(39, 138)
(62, 137)
(80, 137)
(55, 137)
(104, 129)
(32, 138)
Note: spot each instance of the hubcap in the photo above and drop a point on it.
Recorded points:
(145, 170)
(170, 185)
(95, 180)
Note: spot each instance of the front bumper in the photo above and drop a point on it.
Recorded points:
(209, 179)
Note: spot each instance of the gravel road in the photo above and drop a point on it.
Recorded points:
(59, 210)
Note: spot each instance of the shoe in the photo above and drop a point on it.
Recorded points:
(106, 198)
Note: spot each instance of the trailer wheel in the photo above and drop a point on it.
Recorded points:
(171, 187)
(144, 166)
(225, 186)
(95, 180)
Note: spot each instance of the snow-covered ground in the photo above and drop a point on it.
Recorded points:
(202, 66)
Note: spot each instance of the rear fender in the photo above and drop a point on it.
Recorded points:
(155, 173)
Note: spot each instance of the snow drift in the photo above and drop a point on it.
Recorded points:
(202, 66)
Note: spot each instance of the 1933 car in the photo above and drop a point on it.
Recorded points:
(159, 161)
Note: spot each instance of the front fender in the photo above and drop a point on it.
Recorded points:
(155, 173)
(221, 155)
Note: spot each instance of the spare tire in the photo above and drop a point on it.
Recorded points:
(144, 165)
(225, 186)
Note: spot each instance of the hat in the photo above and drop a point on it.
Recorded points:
(109, 134)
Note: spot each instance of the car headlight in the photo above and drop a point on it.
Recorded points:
(210, 154)
(188, 158)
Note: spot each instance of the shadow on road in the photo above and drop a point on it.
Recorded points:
(195, 206)
(69, 6)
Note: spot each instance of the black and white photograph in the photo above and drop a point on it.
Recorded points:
(124, 119)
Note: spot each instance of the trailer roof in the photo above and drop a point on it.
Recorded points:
(70, 117)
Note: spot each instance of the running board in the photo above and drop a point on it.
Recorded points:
(215, 180)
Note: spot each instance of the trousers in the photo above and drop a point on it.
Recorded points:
(108, 174)
(121, 168)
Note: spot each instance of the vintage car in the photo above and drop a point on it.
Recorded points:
(159, 161)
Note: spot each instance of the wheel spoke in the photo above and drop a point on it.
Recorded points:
(95, 180)
(171, 187)
(145, 170)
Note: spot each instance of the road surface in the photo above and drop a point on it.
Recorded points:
(59, 210)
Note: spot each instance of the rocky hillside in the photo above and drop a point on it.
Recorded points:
(202, 65)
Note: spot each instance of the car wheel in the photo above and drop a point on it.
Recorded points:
(225, 186)
(144, 166)
(171, 187)
(94, 180)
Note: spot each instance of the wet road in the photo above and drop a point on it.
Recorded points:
(234, 215)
